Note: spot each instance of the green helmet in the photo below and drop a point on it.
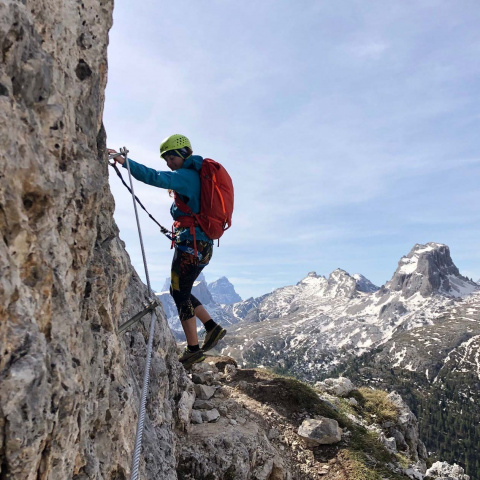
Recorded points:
(174, 142)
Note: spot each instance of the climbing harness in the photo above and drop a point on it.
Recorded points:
(150, 307)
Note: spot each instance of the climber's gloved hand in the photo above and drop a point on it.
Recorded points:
(120, 158)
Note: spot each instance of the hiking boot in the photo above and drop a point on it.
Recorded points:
(212, 337)
(188, 358)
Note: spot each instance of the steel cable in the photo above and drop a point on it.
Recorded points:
(141, 417)
(146, 375)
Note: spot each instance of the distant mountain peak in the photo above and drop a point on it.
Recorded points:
(312, 279)
(339, 272)
(341, 283)
(364, 284)
(408, 264)
(223, 292)
(429, 269)
(339, 276)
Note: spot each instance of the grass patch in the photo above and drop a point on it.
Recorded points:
(284, 392)
(403, 460)
(360, 467)
(346, 408)
(363, 456)
(376, 405)
(357, 467)
(366, 441)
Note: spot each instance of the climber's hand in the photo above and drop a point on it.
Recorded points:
(119, 158)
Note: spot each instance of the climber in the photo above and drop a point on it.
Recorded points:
(192, 252)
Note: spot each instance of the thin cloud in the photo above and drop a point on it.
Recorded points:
(371, 50)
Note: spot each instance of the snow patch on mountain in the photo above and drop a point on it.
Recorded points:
(429, 269)
(310, 326)
(409, 264)
(364, 284)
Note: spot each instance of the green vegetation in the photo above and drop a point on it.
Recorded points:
(364, 452)
(447, 410)
(288, 392)
(359, 468)
(376, 405)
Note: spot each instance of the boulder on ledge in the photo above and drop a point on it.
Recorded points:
(321, 431)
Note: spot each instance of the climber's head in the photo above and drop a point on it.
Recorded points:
(174, 161)
(174, 150)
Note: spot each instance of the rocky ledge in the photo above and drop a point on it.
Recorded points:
(252, 424)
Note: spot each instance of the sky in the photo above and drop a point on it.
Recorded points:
(351, 130)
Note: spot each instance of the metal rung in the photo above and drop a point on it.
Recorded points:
(148, 308)
(114, 155)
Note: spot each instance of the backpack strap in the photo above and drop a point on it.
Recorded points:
(182, 222)
(187, 220)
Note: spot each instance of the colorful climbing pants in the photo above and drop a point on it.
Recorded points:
(185, 270)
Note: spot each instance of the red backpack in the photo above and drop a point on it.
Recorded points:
(216, 203)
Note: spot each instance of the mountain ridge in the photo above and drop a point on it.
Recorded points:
(424, 324)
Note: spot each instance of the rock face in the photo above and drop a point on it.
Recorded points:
(224, 292)
(69, 382)
(364, 284)
(428, 269)
(405, 431)
(444, 471)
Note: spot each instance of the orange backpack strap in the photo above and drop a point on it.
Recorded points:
(188, 220)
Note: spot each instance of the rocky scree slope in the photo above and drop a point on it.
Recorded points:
(252, 424)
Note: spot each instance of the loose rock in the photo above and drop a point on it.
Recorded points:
(320, 432)
(210, 415)
(203, 404)
(340, 387)
(197, 417)
(443, 470)
(204, 392)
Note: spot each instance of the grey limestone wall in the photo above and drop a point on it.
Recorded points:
(69, 384)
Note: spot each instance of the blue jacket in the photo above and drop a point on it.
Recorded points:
(185, 181)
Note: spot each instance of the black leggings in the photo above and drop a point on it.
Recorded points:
(185, 270)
